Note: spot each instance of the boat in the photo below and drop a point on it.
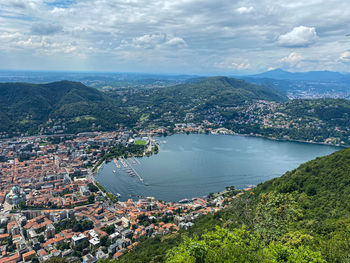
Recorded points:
(117, 195)
(114, 171)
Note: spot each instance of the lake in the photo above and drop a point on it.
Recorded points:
(195, 165)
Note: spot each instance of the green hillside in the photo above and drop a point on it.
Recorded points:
(27, 107)
(205, 93)
(71, 107)
(302, 216)
(223, 91)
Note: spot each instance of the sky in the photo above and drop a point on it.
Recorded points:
(175, 36)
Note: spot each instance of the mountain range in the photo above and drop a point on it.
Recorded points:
(280, 74)
(26, 106)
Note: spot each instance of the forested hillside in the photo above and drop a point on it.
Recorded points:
(302, 216)
(25, 107)
(244, 108)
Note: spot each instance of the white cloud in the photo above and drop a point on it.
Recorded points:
(292, 59)
(176, 42)
(237, 64)
(244, 10)
(345, 57)
(241, 66)
(300, 36)
(155, 40)
(9, 36)
(185, 35)
(148, 41)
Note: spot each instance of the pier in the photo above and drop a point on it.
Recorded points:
(132, 168)
(116, 163)
(137, 161)
(123, 162)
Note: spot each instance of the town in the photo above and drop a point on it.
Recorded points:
(51, 206)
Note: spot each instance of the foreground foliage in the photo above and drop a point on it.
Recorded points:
(239, 245)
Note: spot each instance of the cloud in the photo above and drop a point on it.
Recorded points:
(241, 66)
(156, 40)
(292, 59)
(345, 57)
(172, 36)
(19, 4)
(45, 29)
(9, 36)
(244, 10)
(148, 41)
(301, 36)
(23, 4)
(176, 42)
(234, 64)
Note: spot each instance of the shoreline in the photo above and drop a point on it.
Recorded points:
(291, 140)
(265, 137)
(183, 132)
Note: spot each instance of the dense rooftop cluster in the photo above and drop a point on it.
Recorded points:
(51, 205)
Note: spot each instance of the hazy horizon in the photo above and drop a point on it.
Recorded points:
(159, 74)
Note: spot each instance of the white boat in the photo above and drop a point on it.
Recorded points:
(114, 171)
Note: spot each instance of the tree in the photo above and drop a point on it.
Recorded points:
(41, 239)
(274, 213)
(92, 188)
(91, 198)
(24, 231)
(238, 245)
(81, 245)
(105, 241)
(109, 229)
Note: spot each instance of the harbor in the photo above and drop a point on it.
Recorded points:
(127, 167)
(116, 163)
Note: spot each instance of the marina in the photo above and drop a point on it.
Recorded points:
(136, 173)
(123, 162)
(128, 167)
(116, 163)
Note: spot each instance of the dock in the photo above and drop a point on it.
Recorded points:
(116, 163)
(123, 162)
(137, 161)
(132, 168)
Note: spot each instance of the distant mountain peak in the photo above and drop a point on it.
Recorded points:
(281, 74)
(278, 70)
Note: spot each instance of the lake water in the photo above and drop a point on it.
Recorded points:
(194, 165)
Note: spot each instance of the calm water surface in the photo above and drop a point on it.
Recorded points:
(195, 165)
